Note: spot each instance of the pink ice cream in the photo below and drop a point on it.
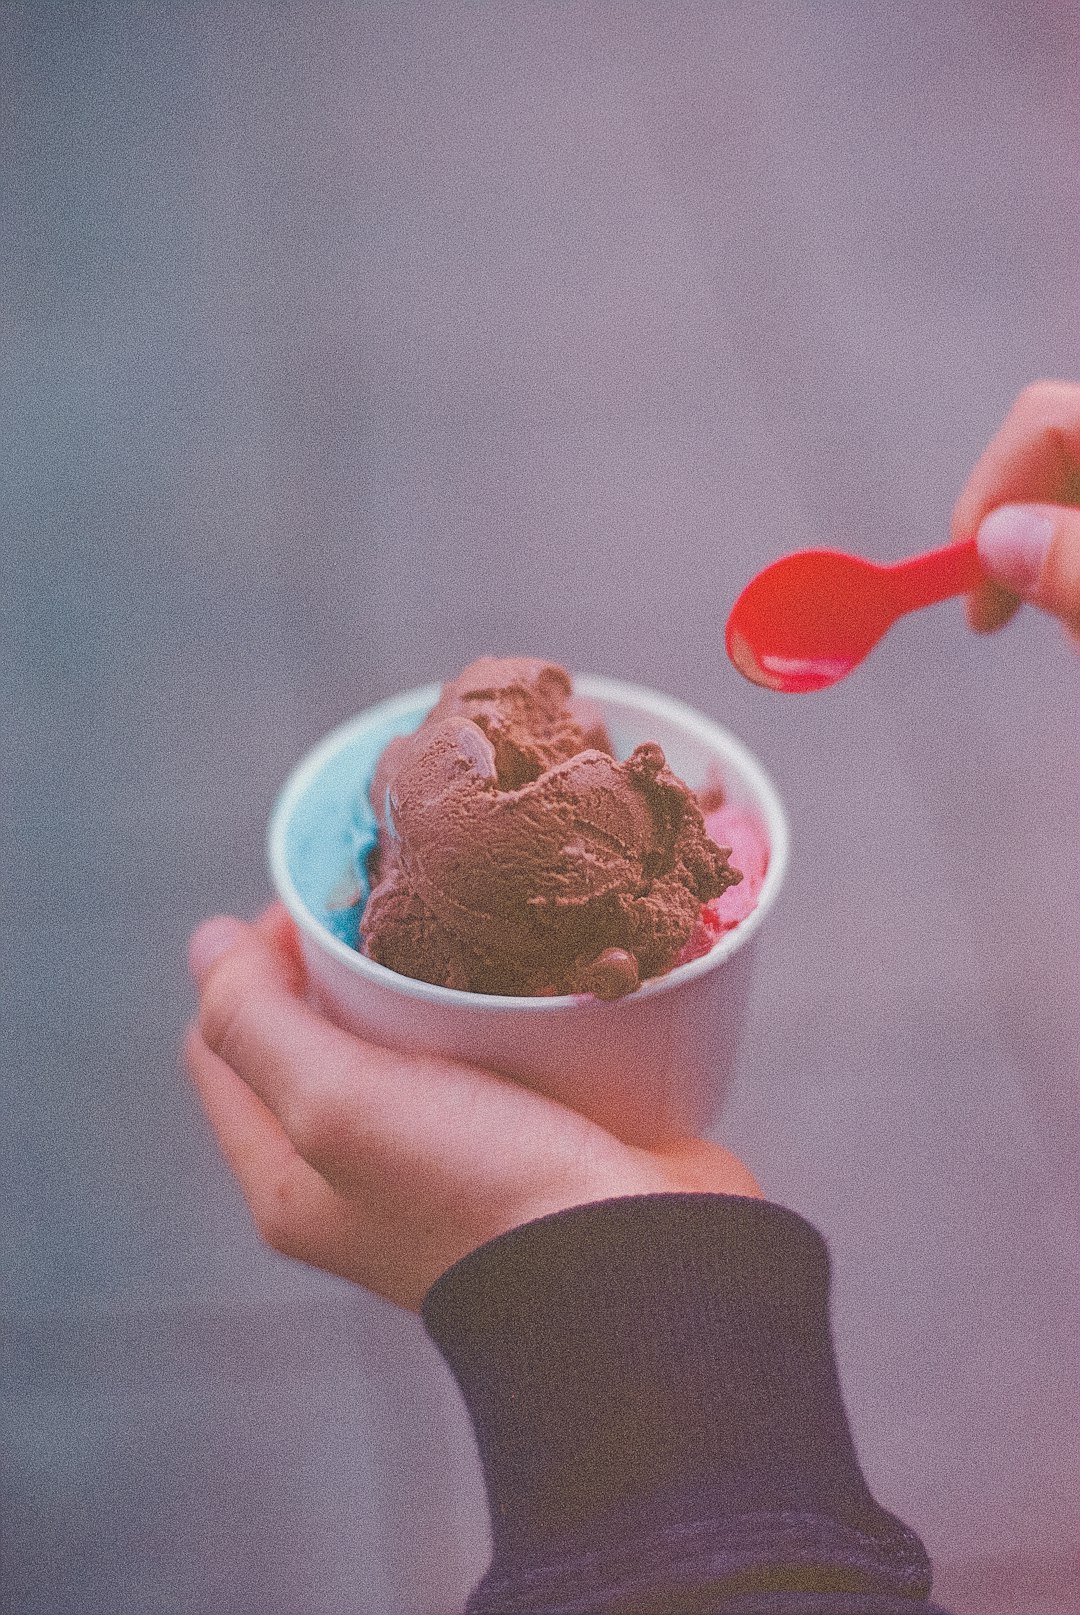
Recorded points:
(734, 827)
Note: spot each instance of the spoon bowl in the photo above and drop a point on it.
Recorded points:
(810, 618)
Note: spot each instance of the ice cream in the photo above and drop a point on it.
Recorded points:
(516, 855)
(741, 833)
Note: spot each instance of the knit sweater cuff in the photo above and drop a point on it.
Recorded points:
(653, 1389)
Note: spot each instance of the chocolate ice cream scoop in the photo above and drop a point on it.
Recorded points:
(517, 856)
(527, 710)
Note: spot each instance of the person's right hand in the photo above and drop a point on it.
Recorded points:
(1022, 504)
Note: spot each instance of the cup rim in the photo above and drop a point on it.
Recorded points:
(598, 688)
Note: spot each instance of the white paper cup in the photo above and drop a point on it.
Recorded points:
(649, 1066)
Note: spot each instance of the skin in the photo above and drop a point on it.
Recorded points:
(1034, 459)
(387, 1168)
(381, 1167)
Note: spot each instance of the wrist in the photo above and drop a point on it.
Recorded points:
(625, 1171)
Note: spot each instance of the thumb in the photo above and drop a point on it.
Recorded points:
(1034, 551)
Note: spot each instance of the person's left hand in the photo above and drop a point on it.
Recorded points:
(382, 1167)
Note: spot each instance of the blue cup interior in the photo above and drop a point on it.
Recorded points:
(332, 829)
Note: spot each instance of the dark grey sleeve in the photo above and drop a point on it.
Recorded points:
(656, 1404)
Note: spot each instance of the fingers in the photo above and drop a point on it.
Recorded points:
(294, 1209)
(277, 929)
(382, 1166)
(1058, 586)
(252, 1017)
(1017, 504)
(991, 606)
(363, 1117)
(1033, 458)
(277, 926)
(1034, 552)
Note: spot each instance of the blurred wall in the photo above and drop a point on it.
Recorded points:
(342, 344)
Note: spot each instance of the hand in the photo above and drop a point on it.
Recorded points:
(386, 1168)
(1020, 502)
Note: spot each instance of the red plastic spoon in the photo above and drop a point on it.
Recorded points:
(809, 618)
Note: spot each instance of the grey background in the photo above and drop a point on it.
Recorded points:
(344, 343)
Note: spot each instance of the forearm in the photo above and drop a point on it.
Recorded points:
(658, 1415)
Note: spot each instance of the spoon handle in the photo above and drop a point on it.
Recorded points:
(925, 579)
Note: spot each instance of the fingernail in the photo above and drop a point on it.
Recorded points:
(212, 939)
(1013, 543)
